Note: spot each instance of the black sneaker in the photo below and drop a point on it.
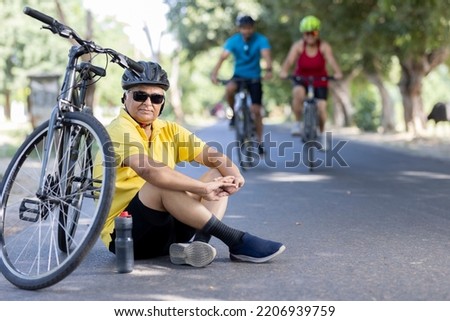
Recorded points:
(256, 250)
(231, 125)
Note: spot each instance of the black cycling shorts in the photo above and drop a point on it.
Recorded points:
(319, 92)
(153, 231)
(255, 89)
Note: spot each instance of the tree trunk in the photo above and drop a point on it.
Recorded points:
(414, 69)
(413, 72)
(7, 110)
(387, 104)
(343, 108)
(175, 90)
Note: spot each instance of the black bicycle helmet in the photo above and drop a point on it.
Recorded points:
(152, 74)
(244, 21)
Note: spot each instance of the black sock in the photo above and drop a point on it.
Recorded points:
(223, 232)
(202, 236)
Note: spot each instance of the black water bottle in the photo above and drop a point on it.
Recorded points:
(124, 243)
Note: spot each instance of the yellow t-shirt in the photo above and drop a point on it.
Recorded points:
(169, 143)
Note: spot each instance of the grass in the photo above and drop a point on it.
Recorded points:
(8, 150)
(11, 136)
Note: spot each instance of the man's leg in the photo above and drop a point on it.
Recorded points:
(256, 111)
(230, 91)
(190, 211)
(256, 94)
(180, 205)
(217, 208)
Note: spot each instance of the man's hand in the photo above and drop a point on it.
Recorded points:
(219, 188)
(238, 183)
(214, 79)
(268, 75)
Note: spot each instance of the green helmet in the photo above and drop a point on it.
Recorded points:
(309, 23)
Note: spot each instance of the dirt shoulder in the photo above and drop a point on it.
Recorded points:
(434, 144)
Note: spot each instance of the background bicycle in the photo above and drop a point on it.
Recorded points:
(52, 203)
(244, 125)
(309, 131)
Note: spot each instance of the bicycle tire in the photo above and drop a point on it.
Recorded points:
(31, 255)
(308, 154)
(239, 126)
(249, 146)
(310, 122)
(309, 133)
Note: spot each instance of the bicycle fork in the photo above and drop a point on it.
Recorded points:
(51, 185)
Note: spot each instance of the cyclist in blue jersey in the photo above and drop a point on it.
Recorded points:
(247, 47)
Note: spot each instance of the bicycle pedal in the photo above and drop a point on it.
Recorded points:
(29, 210)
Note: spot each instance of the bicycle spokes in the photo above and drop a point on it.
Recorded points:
(50, 223)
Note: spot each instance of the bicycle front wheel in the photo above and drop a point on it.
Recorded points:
(310, 122)
(48, 228)
(246, 139)
(309, 134)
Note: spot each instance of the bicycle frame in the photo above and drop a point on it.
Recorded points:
(245, 124)
(310, 98)
(65, 103)
(310, 117)
(242, 97)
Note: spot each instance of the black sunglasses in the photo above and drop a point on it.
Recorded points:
(141, 96)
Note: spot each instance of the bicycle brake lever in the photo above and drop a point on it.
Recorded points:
(51, 28)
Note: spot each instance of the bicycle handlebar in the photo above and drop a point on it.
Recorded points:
(66, 32)
(310, 78)
(39, 16)
(238, 80)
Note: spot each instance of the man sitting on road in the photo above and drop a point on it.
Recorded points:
(170, 209)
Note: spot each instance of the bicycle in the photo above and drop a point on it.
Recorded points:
(244, 124)
(310, 120)
(52, 203)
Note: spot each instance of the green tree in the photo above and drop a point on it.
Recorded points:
(27, 49)
(366, 35)
(19, 57)
(417, 32)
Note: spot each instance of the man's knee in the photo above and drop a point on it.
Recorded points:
(151, 196)
(210, 175)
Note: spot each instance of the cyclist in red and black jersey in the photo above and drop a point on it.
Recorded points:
(311, 56)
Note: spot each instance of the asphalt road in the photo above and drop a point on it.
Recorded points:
(370, 223)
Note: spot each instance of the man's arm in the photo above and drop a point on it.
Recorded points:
(212, 158)
(163, 176)
(267, 55)
(223, 56)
